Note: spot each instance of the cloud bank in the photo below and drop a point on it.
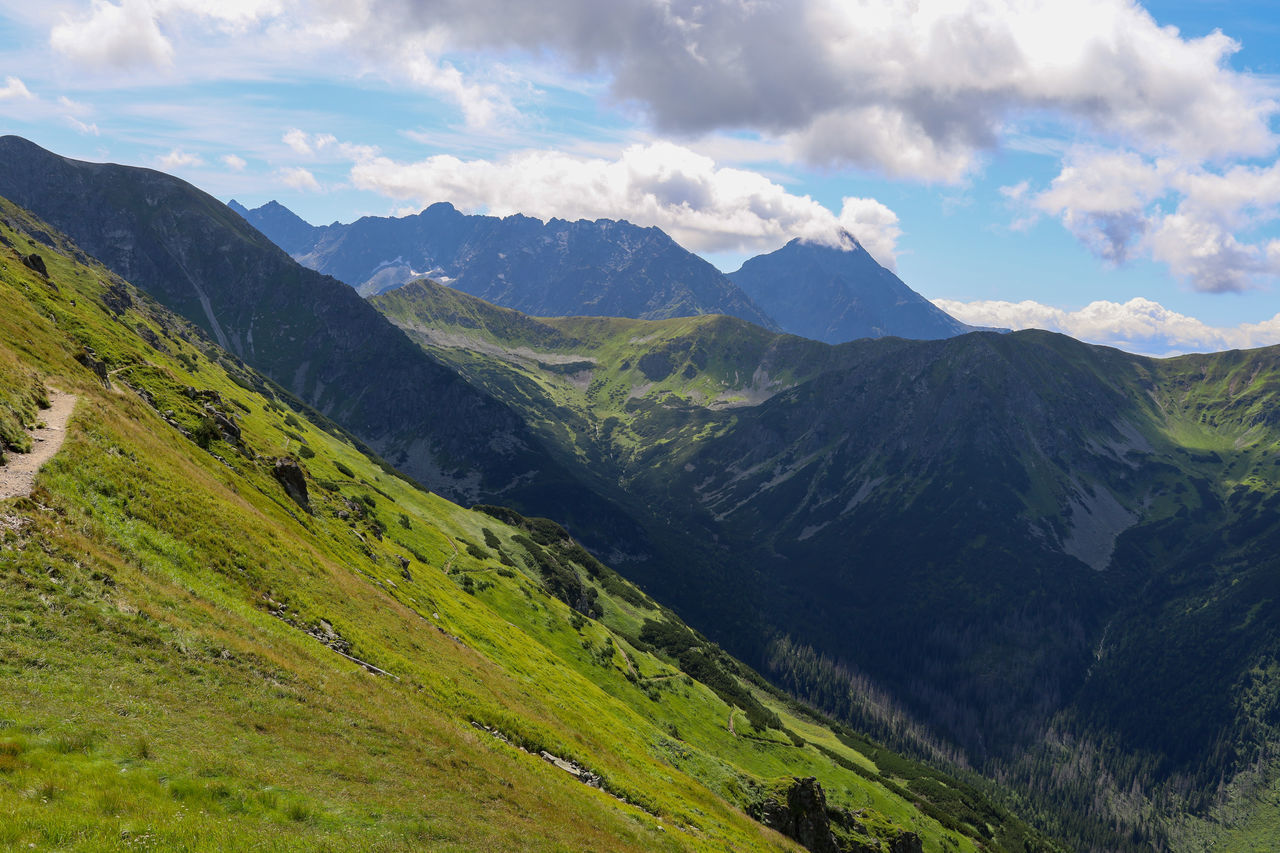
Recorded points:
(1139, 325)
(705, 207)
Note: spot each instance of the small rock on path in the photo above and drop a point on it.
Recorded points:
(18, 476)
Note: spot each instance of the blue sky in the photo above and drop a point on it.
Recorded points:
(1099, 167)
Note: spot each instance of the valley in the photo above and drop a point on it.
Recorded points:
(1020, 492)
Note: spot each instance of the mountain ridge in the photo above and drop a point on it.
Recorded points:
(602, 267)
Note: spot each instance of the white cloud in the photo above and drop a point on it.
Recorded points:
(325, 145)
(90, 128)
(920, 90)
(875, 226)
(299, 141)
(483, 104)
(177, 158)
(234, 162)
(925, 90)
(298, 178)
(1139, 325)
(134, 34)
(1116, 203)
(14, 89)
(111, 36)
(703, 206)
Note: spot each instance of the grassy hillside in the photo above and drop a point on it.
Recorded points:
(1050, 561)
(193, 656)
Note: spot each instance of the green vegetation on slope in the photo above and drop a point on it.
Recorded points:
(1048, 561)
(222, 626)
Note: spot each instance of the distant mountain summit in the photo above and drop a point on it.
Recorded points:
(602, 268)
(835, 295)
(281, 225)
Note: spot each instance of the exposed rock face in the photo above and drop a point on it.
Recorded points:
(801, 813)
(907, 842)
(90, 359)
(35, 262)
(294, 480)
(802, 816)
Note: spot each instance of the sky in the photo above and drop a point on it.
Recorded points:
(1103, 168)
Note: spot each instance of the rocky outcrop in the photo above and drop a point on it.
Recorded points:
(88, 358)
(35, 263)
(907, 842)
(215, 409)
(293, 479)
(800, 813)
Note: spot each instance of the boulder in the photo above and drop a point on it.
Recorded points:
(36, 263)
(293, 479)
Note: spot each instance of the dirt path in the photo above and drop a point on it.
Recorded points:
(19, 475)
(625, 657)
(448, 564)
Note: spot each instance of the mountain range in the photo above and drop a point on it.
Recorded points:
(1012, 554)
(611, 269)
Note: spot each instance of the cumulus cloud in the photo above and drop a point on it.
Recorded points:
(325, 145)
(920, 89)
(177, 158)
(234, 162)
(298, 178)
(142, 33)
(15, 90)
(703, 206)
(1139, 325)
(1183, 214)
(111, 36)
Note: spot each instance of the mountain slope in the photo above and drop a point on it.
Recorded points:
(982, 548)
(835, 294)
(558, 268)
(210, 644)
(307, 331)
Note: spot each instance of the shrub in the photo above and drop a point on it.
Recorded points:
(206, 432)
